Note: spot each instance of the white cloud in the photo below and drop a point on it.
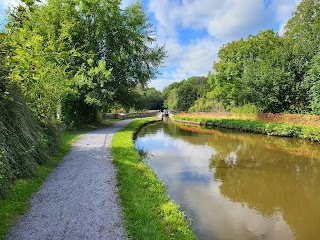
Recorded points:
(193, 59)
(5, 3)
(199, 55)
(174, 50)
(160, 83)
(166, 13)
(229, 19)
(239, 20)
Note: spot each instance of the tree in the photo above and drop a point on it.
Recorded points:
(167, 89)
(268, 85)
(267, 81)
(302, 36)
(87, 54)
(312, 82)
(170, 96)
(153, 99)
(226, 79)
(42, 80)
(3, 70)
(172, 100)
(245, 71)
(181, 96)
(123, 40)
(33, 64)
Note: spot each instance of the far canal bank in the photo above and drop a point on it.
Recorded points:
(307, 131)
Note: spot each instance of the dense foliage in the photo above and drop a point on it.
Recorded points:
(265, 72)
(64, 61)
(77, 57)
(180, 96)
(150, 99)
(23, 143)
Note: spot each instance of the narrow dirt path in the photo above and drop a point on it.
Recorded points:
(79, 199)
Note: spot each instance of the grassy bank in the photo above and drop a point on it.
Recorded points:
(305, 120)
(148, 211)
(17, 202)
(275, 129)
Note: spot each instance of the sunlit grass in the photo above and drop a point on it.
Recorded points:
(148, 211)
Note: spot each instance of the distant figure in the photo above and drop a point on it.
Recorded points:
(165, 113)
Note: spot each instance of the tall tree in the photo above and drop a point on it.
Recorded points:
(123, 40)
(33, 65)
(302, 35)
(268, 81)
(245, 69)
(312, 82)
(226, 79)
(89, 53)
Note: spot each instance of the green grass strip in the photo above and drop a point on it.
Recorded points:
(148, 211)
(17, 202)
(275, 129)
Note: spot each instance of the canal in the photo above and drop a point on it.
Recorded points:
(237, 185)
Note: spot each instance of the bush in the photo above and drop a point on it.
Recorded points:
(247, 108)
(23, 143)
(206, 105)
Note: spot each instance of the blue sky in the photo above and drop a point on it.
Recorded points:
(194, 30)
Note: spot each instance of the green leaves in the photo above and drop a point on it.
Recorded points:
(312, 83)
(92, 49)
(181, 96)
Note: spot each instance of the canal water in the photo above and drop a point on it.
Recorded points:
(237, 185)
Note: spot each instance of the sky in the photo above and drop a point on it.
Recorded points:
(193, 31)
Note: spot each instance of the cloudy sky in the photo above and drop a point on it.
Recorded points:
(194, 30)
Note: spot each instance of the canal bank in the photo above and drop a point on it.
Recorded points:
(273, 129)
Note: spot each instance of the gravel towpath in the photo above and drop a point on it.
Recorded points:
(79, 199)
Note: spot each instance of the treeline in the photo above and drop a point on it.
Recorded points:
(65, 61)
(265, 72)
(182, 95)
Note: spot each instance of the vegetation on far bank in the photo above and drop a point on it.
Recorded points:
(296, 119)
(148, 211)
(275, 129)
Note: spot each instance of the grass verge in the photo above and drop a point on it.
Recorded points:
(17, 202)
(274, 129)
(148, 211)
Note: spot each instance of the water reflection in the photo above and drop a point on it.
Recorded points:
(238, 186)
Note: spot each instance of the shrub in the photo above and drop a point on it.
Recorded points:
(23, 143)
